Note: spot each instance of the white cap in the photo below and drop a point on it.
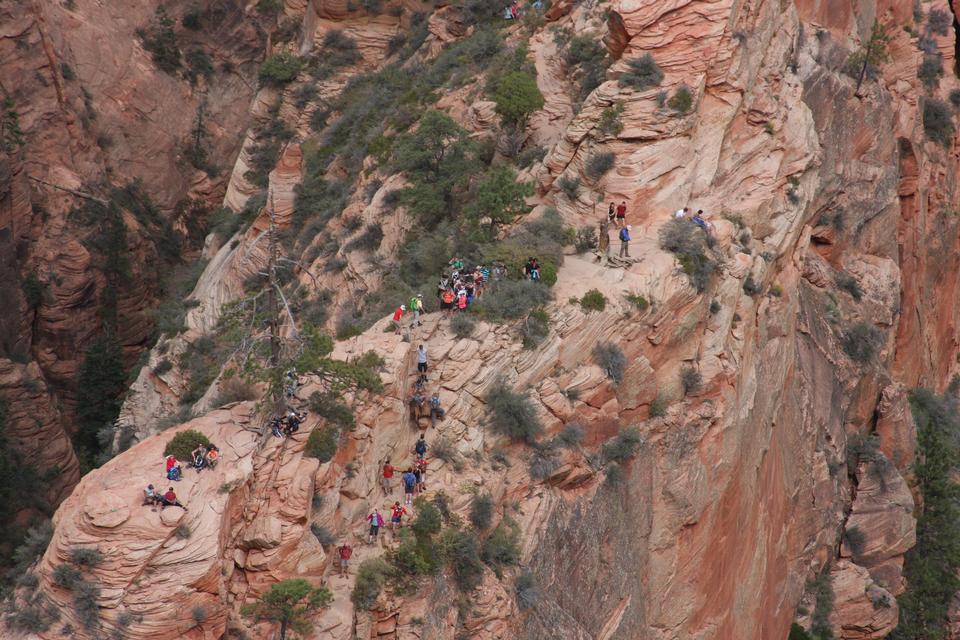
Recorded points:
(403, 307)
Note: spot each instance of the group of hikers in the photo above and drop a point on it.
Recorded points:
(287, 425)
(617, 217)
(202, 457)
(460, 286)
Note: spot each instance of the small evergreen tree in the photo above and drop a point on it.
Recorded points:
(517, 97)
(161, 41)
(101, 382)
(499, 197)
(872, 54)
(289, 603)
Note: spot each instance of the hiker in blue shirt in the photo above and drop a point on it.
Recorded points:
(625, 241)
(409, 483)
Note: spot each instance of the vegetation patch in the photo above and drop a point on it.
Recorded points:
(183, 443)
(512, 414)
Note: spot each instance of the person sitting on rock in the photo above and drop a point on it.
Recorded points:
(680, 214)
(396, 516)
(275, 427)
(376, 521)
(199, 457)
(169, 499)
(171, 462)
(151, 497)
(213, 455)
(175, 473)
(292, 423)
(436, 411)
(344, 552)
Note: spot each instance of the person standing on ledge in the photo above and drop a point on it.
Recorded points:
(625, 241)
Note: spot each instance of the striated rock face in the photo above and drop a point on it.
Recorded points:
(862, 609)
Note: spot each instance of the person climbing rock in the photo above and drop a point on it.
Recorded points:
(416, 407)
(420, 448)
(422, 359)
(622, 214)
(409, 485)
(420, 470)
(344, 552)
(376, 521)
(291, 423)
(387, 478)
(169, 499)
(436, 411)
(681, 213)
(701, 222)
(290, 384)
(625, 241)
(397, 316)
(396, 516)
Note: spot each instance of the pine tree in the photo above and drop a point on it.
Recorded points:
(289, 603)
(101, 382)
(872, 54)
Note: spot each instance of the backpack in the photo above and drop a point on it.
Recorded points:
(409, 480)
(420, 448)
(623, 235)
(414, 304)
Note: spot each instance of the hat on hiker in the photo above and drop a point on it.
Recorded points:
(419, 295)
(403, 307)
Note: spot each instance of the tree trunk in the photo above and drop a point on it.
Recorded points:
(273, 303)
(283, 630)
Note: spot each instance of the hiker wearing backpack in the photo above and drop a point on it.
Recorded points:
(420, 470)
(436, 411)
(416, 306)
(625, 242)
(420, 448)
(396, 516)
(409, 485)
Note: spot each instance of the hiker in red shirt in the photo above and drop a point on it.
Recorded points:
(622, 213)
(344, 552)
(387, 476)
(397, 315)
(169, 499)
(396, 515)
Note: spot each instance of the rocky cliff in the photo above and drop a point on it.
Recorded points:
(834, 293)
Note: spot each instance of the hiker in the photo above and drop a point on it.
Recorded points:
(409, 484)
(422, 360)
(436, 411)
(151, 497)
(462, 300)
(477, 282)
(611, 214)
(292, 422)
(625, 242)
(376, 521)
(171, 462)
(199, 457)
(420, 448)
(532, 269)
(499, 271)
(275, 428)
(396, 515)
(291, 383)
(169, 499)
(174, 473)
(701, 222)
(416, 306)
(507, 14)
(446, 299)
(344, 552)
(416, 407)
(456, 263)
(397, 315)
(387, 479)
(681, 213)
(622, 214)
(417, 479)
(420, 470)
(515, 10)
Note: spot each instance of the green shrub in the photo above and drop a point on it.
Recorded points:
(481, 511)
(183, 531)
(849, 284)
(329, 407)
(570, 187)
(371, 576)
(339, 49)
(690, 380)
(199, 64)
(512, 414)
(593, 300)
(502, 547)
(160, 41)
(517, 97)
(428, 521)
(611, 359)
(183, 444)
(750, 286)
(542, 462)
(855, 540)
(88, 557)
(322, 444)
(535, 328)
(638, 301)
(623, 446)
(34, 290)
(163, 367)
(525, 590)
(683, 239)
(614, 475)
(658, 407)
(599, 164)
(512, 299)
(955, 98)
(462, 325)
(571, 436)
(930, 71)
(269, 6)
(444, 449)
(861, 342)
(461, 550)
(642, 73)
(66, 576)
(822, 588)
(681, 101)
(279, 69)
(85, 605)
(610, 123)
(937, 121)
(586, 239)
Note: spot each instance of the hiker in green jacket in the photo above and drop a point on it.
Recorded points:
(416, 306)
